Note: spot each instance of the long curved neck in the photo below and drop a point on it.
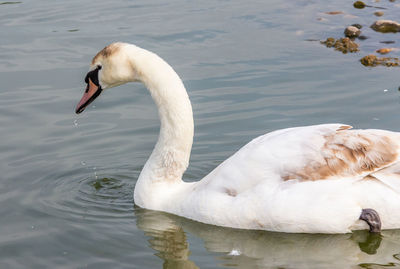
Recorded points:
(170, 156)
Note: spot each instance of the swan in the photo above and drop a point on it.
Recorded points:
(324, 178)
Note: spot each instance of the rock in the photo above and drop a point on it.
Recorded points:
(386, 26)
(369, 60)
(352, 31)
(372, 60)
(384, 50)
(359, 4)
(329, 42)
(359, 26)
(379, 13)
(344, 45)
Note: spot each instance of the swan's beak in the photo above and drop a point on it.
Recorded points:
(91, 93)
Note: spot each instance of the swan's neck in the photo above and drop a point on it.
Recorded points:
(170, 156)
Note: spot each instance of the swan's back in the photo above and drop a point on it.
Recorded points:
(305, 179)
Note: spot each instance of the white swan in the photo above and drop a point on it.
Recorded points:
(315, 179)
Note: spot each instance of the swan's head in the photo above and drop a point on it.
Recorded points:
(109, 68)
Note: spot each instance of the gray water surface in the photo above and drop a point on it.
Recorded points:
(66, 184)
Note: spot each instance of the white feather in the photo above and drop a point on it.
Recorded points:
(314, 179)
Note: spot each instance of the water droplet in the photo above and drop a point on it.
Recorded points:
(95, 175)
(94, 168)
(94, 106)
(385, 90)
(76, 123)
(375, 118)
(83, 163)
(65, 253)
(32, 227)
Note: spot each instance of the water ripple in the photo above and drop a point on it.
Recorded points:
(95, 196)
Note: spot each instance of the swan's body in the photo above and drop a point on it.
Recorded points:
(314, 179)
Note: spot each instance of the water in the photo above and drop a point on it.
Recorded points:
(67, 181)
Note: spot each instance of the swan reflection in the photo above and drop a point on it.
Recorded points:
(259, 249)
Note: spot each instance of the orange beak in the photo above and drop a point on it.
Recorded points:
(91, 93)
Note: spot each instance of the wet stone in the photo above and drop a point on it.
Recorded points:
(379, 13)
(344, 45)
(372, 60)
(357, 25)
(352, 31)
(386, 26)
(384, 50)
(359, 4)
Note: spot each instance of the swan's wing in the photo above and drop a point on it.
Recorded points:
(329, 151)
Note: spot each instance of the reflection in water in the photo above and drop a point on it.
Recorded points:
(166, 237)
(260, 249)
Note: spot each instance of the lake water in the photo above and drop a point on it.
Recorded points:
(66, 188)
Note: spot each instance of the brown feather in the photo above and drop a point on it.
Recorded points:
(349, 153)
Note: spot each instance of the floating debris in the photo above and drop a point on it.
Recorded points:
(334, 12)
(384, 50)
(379, 13)
(97, 185)
(372, 60)
(103, 182)
(386, 26)
(352, 31)
(73, 30)
(344, 45)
